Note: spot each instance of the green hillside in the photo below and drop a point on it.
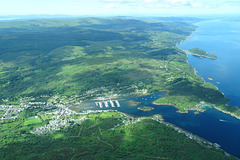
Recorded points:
(48, 65)
(38, 58)
(73, 57)
(109, 135)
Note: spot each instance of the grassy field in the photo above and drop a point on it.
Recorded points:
(32, 121)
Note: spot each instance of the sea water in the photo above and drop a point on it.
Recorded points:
(221, 38)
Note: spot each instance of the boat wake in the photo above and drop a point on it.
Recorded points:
(222, 120)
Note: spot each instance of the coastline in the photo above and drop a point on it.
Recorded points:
(226, 112)
(189, 135)
(219, 109)
(195, 71)
(200, 56)
(159, 118)
(178, 109)
(188, 37)
(197, 109)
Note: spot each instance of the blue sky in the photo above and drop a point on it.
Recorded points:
(119, 7)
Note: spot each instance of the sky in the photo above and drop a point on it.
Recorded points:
(119, 7)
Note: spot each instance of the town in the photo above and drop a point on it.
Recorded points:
(62, 117)
(57, 109)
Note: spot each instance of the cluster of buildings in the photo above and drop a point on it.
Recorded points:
(9, 112)
(30, 103)
(62, 118)
(57, 124)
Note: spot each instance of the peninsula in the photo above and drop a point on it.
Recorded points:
(201, 53)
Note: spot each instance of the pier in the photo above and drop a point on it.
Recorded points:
(112, 104)
(116, 101)
(99, 104)
(106, 103)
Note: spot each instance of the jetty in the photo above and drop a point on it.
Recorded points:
(116, 101)
(112, 104)
(106, 103)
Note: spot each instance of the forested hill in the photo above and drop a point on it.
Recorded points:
(92, 57)
(71, 56)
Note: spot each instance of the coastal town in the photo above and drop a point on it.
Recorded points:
(61, 116)
(58, 109)
(59, 105)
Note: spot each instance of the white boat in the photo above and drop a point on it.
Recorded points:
(221, 120)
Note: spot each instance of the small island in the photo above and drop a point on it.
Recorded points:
(144, 108)
(201, 53)
(133, 103)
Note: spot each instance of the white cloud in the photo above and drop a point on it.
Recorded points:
(109, 5)
(120, 1)
(161, 5)
(176, 4)
(197, 5)
(181, 3)
(165, 6)
(151, 1)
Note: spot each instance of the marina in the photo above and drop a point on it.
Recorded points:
(106, 104)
